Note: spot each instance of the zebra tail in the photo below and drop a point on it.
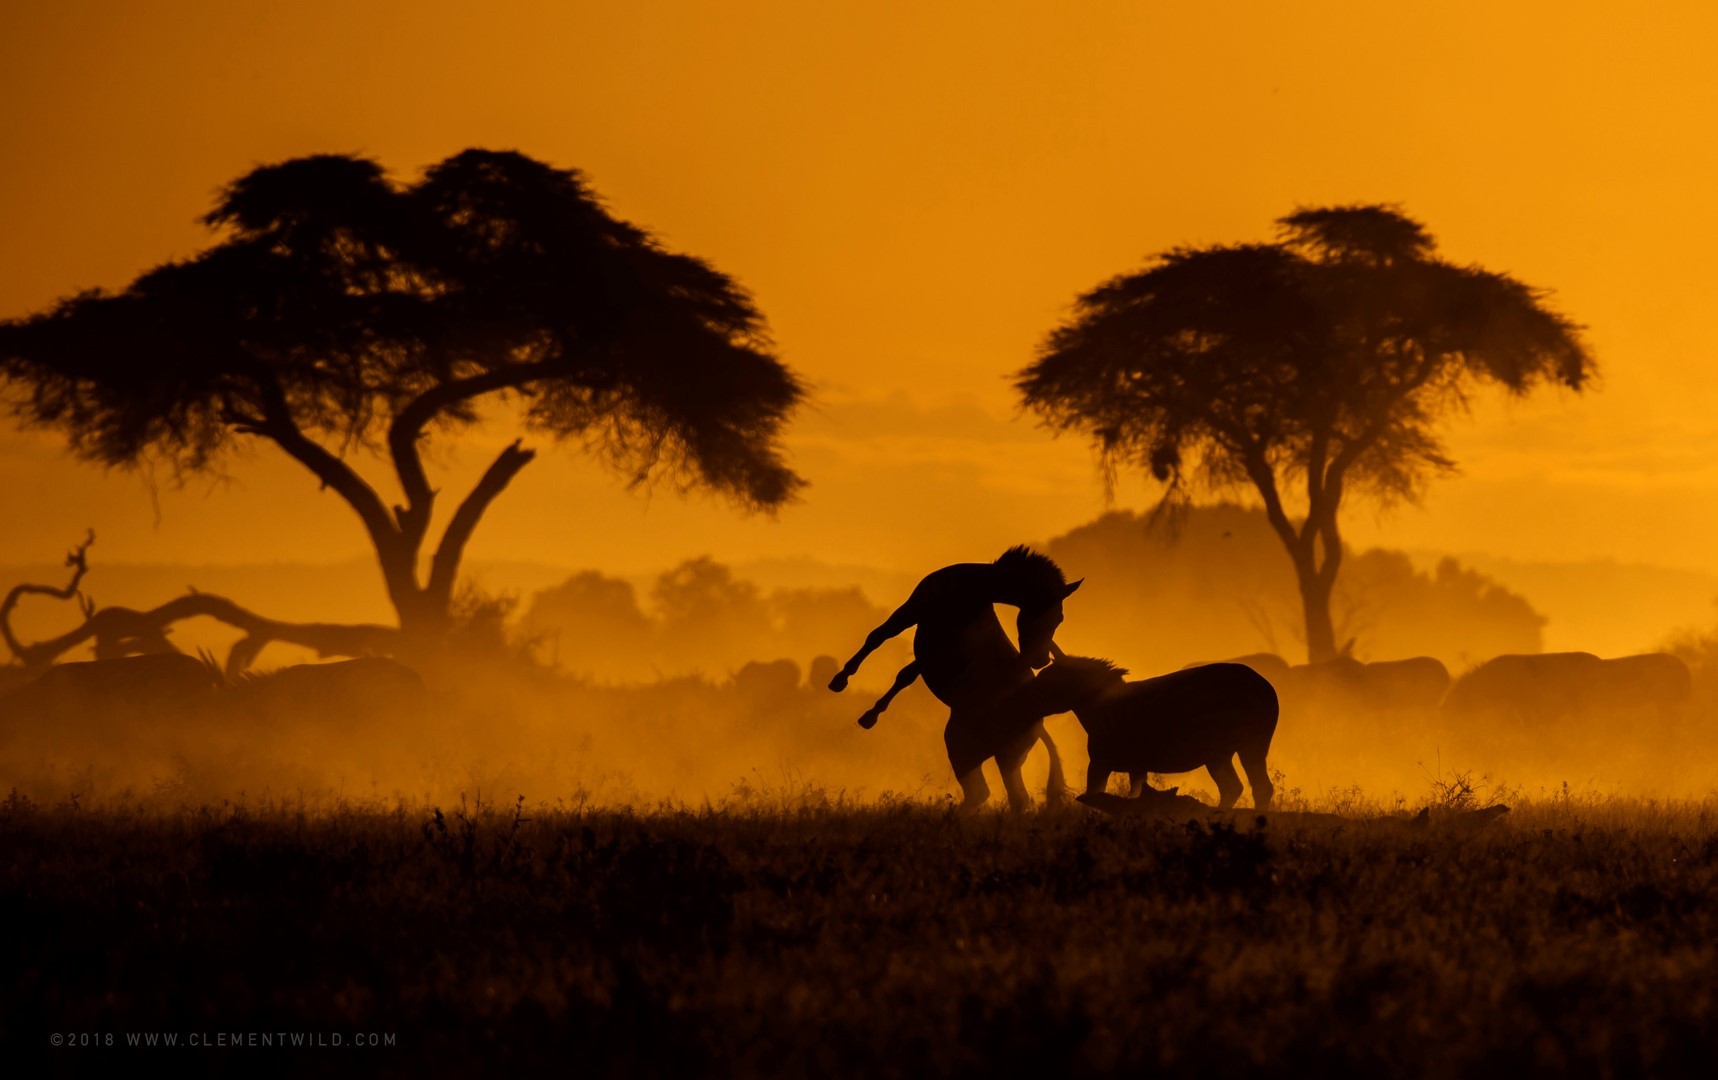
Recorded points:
(1056, 791)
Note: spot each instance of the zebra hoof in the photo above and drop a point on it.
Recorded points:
(868, 721)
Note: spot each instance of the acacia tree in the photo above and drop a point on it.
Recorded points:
(1324, 362)
(341, 311)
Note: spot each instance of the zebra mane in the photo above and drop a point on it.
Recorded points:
(216, 670)
(1073, 680)
(1091, 667)
(1036, 572)
(251, 679)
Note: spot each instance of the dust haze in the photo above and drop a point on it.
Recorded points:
(705, 684)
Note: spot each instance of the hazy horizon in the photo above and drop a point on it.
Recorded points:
(1579, 599)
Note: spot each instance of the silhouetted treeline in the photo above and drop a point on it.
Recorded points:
(697, 618)
(1210, 585)
(1212, 582)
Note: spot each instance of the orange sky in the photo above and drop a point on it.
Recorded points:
(915, 192)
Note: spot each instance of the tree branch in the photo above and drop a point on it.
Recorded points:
(1349, 454)
(1352, 449)
(277, 424)
(1332, 537)
(1259, 471)
(335, 473)
(1315, 461)
(78, 561)
(408, 428)
(115, 629)
(445, 566)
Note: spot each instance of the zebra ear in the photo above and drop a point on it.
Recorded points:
(1070, 589)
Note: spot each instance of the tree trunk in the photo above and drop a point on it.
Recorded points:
(398, 563)
(425, 610)
(1317, 579)
(1315, 592)
(425, 620)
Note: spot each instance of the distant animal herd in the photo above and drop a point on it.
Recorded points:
(1207, 714)
(1530, 688)
(172, 683)
(1204, 716)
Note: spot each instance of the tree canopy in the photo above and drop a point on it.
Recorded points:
(344, 310)
(1325, 361)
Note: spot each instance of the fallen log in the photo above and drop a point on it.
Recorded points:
(120, 631)
(1171, 806)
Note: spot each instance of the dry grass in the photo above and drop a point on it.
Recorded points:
(795, 934)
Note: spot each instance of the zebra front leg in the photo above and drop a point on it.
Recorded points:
(903, 679)
(1009, 762)
(1258, 777)
(1228, 782)
(902, 620)
(1019, 799)
(1097, 778)
(974, 791)
(967, 751)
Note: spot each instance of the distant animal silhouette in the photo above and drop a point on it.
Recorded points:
(132, 684)
(1657, 681)
(1326, 682)
(963, 654)
(1196, 718)
(13, 676)
(1534, 687)
(1386, 686)
(1419, 682)
(343, 692)
(1270, 665)
(767, 682)
(821, 671)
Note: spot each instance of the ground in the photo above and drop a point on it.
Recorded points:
(878, 939)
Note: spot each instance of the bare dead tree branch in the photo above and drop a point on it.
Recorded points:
(444, 566)
(121, 631)
(76, 559)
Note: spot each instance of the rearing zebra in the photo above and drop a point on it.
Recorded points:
(963, 653)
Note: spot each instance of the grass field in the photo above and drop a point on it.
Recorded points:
(881, 939)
